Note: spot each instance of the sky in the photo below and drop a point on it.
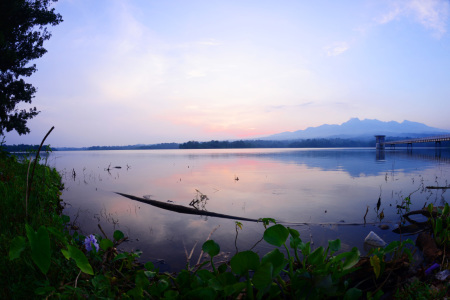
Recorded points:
(125, 72)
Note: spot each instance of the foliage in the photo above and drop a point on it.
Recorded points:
(22, 34)
(22, 148)
(30, 236)
(304, 143)
(440, 224)
(394, 251)
(419, 290)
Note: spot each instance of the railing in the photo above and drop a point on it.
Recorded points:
(429, 139)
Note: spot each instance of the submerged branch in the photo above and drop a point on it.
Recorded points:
(192, 211)
(184, 209)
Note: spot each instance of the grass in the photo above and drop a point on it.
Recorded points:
(43, 209)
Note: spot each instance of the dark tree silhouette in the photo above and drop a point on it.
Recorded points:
(22, 34)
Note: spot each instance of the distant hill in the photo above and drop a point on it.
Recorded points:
(360, 129)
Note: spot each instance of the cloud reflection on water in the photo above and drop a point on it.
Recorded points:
(317, 186)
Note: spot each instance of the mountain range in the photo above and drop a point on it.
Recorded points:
(361, 129)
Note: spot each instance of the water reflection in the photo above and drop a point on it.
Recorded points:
(199, 202)
(322, 187)
(380, 155)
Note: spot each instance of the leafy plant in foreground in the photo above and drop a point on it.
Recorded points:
(440, 224)
(394, 250)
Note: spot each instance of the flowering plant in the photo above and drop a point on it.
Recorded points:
(91, 241)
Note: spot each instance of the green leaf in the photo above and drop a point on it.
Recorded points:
(235, 288)
(238, 224)
(294, 232)
(316, 258)
(18, 244)
(138, 293)
(121, 256)
(377, 295)
(391, 246)
(65, 219)
(80, 259)
(438, 226)
(141, 279)
(66, 253)
(324, 282)
(375, 263)
(204, 275)
(100, 282)
(150, 274)
(446, 209)
(430, 208)
(40, 247)
(211, 247)
(353, 294)
(295, 242)
(171, 294)
(262, 279)
(266, 221)
(227, 279)
(276, 235)
(58, 234)
(183, 280)
(222, 268)
(118, 235)
(351, 258)
(334, 245)
(305, 248)
(202, 293)
(105, 244)
(244, 261)
(44, 290)
(222, 281)
(149, 266)
(276, 258)
(162, 285)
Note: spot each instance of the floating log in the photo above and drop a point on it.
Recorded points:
(192, 211)
(438, 187)
(184, 209)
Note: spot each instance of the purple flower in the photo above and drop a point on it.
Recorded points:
(90, 241)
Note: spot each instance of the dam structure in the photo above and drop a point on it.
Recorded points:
(437, 139)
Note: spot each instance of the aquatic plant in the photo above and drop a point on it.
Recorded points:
(440, 222)
(91, 243)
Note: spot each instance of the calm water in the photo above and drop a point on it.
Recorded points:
(323, 187)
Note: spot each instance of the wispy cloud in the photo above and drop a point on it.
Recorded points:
(432, 14)
(289, 107)
(336, 48)
(210, 42)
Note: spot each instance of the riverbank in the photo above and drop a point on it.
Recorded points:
(50, 259)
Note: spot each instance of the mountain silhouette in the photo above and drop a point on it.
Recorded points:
(361, 129)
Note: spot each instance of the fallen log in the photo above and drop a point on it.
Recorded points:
(438, 187)
(192, 211)
(184, 209)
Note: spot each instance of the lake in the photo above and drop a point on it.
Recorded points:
(329, 189)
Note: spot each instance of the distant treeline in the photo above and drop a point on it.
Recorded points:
(135, 147)
(307, 143)
(240, 144)
(24, 148)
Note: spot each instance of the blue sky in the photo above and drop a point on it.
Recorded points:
(128, 72)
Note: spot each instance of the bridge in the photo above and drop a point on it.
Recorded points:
(381, 143)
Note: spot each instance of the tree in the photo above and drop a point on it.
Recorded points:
(22, 34)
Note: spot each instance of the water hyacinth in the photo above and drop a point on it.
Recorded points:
(90, 241)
